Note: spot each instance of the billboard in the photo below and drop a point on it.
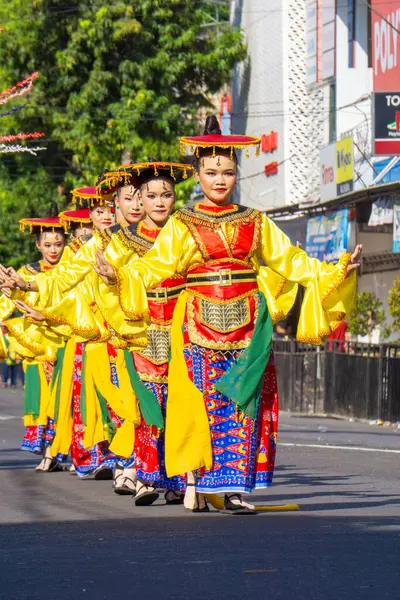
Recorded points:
(327, 235)
(344, 166)
(327, 174)
(336, 169)
(386, 123)
(386, 44)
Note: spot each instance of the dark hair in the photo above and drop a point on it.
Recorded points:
(102, 175)
(53, 210)
(149, 175)
(212, 128)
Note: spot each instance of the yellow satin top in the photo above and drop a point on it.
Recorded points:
(329, 293)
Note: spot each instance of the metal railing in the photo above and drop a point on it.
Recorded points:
(344, 378)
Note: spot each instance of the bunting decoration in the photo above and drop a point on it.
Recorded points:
(19, 89)
(4, 148)
(13, 110)
(21, 136)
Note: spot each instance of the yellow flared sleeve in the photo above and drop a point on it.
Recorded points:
(173, 252)
(279, 293)
(117, 253)
(33, 340)
(329, 292)
(55, 283)
(76, 314)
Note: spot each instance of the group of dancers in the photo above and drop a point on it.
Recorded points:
(146, 335)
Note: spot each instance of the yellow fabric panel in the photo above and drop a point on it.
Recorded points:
(44, 402)
(33, 341)
(62, 441)
(187, 432)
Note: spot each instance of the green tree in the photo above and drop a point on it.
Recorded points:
(394, 305)
(115, 79)
(368, 313)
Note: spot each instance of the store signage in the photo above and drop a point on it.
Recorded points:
(336, 169)
(327, 235)
(327, 161)
(386, 123)
(344, 166)
(386, 44)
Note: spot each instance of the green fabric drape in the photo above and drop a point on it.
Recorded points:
(242, 383)
(32, 391)
(148, 403)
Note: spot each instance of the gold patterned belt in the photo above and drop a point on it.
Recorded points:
(224, 278)
(164, 294)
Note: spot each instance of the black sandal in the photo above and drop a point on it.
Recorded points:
(147, 497)
(230, 508)
(172, 497)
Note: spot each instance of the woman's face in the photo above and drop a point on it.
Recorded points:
(130, 205)
(158, 197)
(102, 217)
(217, 177)
(51, 245)
(83, 230)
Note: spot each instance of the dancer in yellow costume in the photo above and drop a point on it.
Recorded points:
(155, 181)
(37, 351)
(221, 423)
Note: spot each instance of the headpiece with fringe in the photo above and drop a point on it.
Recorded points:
(132, 174)
(92, 195)
(80, 216)
(213, 139)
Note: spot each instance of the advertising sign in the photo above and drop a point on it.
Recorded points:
(327, 236)
(344, 166)
(396, 227)
(385, 44)
(327, 162)
(386, 122)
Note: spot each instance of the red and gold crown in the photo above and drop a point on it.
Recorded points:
(214, 141)
(130, 174)
(39, 224)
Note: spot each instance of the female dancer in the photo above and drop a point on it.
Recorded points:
(222, 401)
(155, 192)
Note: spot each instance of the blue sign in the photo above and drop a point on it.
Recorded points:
(327, 236)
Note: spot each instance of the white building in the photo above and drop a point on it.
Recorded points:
(308, 77)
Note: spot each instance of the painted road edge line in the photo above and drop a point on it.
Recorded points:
(331, 447)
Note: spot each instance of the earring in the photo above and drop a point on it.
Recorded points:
(140, 203)
(117, 206)
(198, 182)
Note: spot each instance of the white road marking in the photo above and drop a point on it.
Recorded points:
(8, 418)
(330, 447)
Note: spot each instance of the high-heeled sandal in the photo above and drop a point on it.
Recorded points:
(50, 465)
(145, 494)
(235, 505)
(172, 497)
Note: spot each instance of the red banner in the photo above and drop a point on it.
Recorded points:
(386, 44)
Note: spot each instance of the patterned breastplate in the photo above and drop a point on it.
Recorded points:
(161, 299)
(222, 304)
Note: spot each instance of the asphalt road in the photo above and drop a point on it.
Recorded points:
(64, 538)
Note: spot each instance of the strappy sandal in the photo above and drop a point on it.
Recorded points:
(237, 508)
(103, 473)
(173, 497)
(51, 465)
(145, 494)
(124, 485)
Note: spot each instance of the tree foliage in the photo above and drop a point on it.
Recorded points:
(116, 79)
(368, 313)
(394, 305)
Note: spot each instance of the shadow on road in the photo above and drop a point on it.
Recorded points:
(205, 556)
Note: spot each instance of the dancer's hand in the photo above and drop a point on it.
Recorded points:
(9, 278)
(104, 270)
(28, 311)
(355, 259)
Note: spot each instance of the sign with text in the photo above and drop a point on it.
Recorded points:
(344, 166)
(386, 44)
(327, 235)
(327, 162)
(386, 123)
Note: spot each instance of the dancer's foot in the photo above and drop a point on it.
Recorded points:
(145, 494)
(72, 470)
(51, 465)
(235, 505)
(173, 497)
(103, 473)
(124, 481)
(40, 465)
